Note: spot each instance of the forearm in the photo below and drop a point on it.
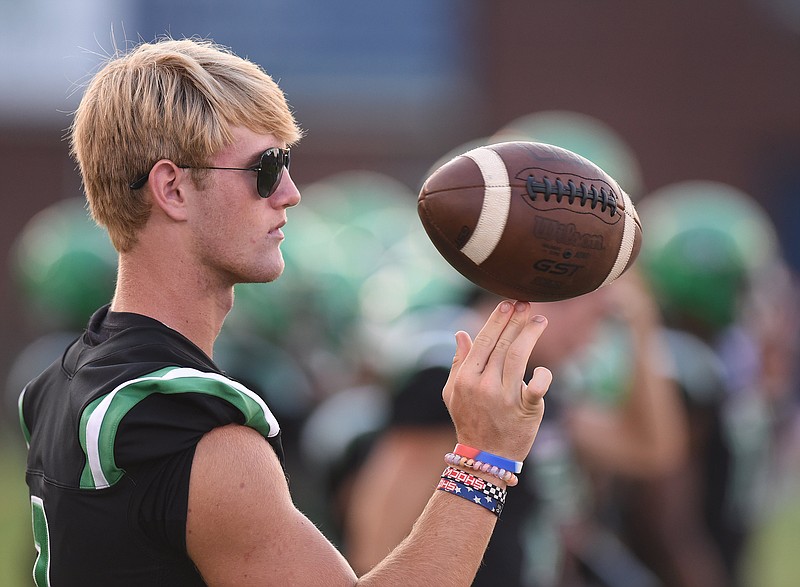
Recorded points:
(384, 484)
(653, 413)
(646, 434)
(445, 546)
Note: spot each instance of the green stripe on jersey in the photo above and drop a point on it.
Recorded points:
(25, 432)
(101, 418)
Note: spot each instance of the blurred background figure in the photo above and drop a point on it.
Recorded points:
(557, 528)
(560, 527)
(730, 305)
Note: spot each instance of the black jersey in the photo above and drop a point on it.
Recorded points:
(112, 427)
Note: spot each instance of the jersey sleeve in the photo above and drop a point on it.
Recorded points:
(160, 414)
(148, 428)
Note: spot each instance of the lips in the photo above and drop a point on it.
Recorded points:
(277, 230)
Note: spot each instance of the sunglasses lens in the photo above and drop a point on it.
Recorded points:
(273, 162)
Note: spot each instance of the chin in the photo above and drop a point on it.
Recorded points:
(259, 274)
(267, 274)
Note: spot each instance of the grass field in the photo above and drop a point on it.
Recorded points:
(16, 542)
(772, 559)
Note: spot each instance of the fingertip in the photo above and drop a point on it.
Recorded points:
(542, 378)
(462, 340)
(521, 306)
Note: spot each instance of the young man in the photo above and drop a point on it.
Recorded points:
(147, 465)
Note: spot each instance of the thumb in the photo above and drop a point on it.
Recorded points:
(463, 346)
(533, 393)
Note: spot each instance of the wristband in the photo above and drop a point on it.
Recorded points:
(488, 458)
(457, 461)
(464, 491)
(476, 483)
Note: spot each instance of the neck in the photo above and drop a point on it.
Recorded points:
(175, 295)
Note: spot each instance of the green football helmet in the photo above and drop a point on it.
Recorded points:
(703, 242)
(64, 265)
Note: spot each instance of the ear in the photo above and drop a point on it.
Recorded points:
(168, 184)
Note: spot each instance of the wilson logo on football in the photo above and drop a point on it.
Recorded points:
(566, 234)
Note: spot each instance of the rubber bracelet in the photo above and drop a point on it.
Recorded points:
(485, 501)
(488, 458)
(477, 483)
(457, 461)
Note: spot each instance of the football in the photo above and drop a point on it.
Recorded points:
(530, 221)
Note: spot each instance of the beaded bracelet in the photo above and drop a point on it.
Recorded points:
(477, 483)
(487, 457)
(464, 491)
(459, 461)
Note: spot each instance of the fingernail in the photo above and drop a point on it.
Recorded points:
(521, 306)
(505, 307)
(538, 318)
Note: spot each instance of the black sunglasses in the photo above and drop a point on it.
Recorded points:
(270, 171)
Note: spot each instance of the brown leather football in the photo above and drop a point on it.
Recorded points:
(530, 221)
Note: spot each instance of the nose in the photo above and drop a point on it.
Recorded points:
(286, 195)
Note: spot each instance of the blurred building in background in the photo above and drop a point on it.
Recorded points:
(705, 91)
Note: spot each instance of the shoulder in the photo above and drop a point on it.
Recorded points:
(235, 450)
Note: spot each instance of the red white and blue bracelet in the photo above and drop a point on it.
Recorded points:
(476, 483)
(500, 467)
(479, 497)
(486, 457)
(476, 489)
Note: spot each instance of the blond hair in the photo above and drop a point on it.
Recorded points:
(171, 99)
